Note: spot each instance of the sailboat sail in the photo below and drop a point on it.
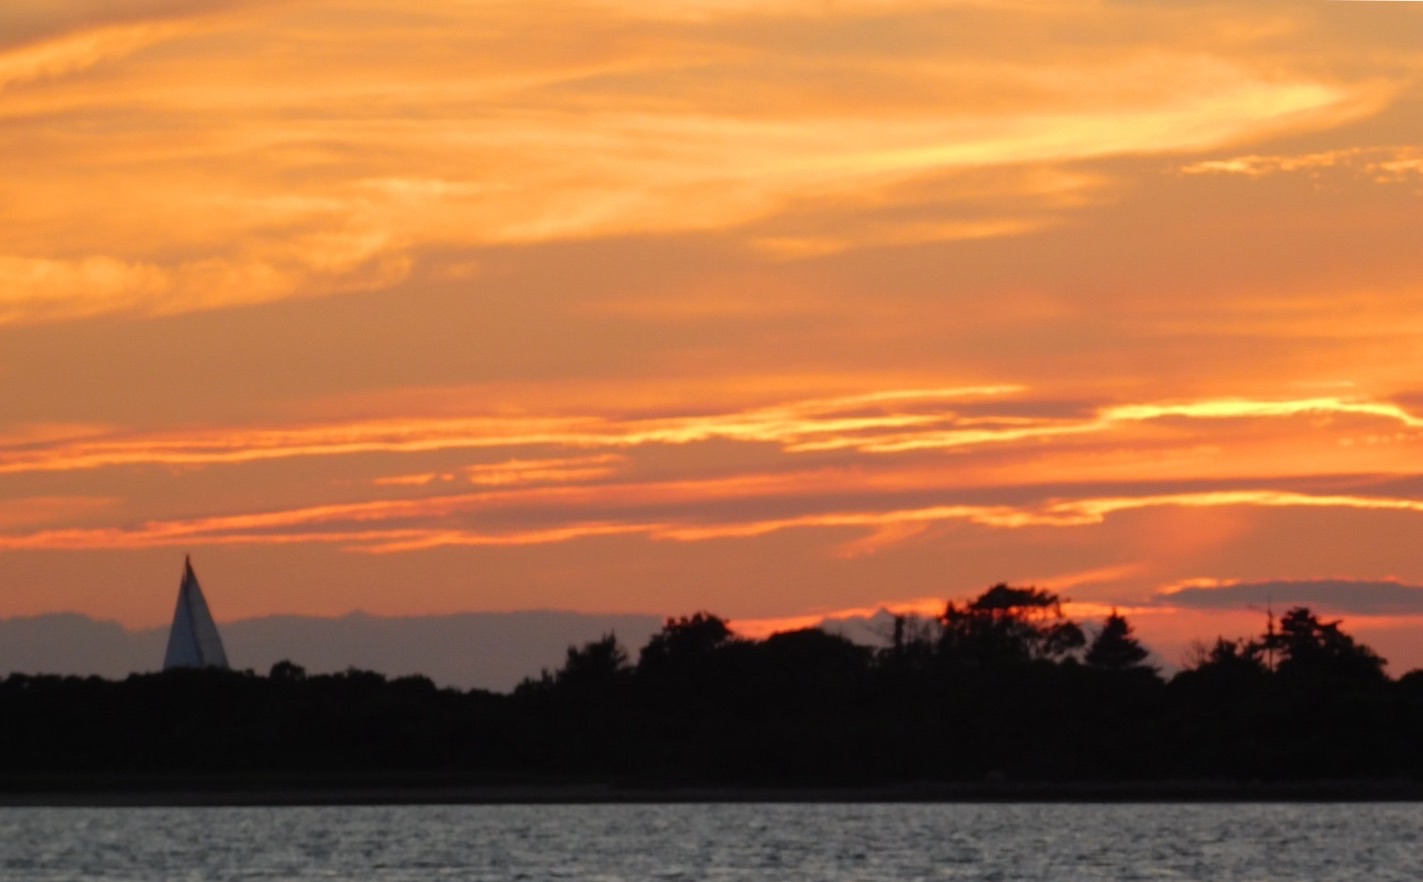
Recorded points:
(193, 641)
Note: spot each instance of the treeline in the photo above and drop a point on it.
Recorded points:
(1003, 687)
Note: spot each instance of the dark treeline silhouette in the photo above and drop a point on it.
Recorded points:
(1000, 688)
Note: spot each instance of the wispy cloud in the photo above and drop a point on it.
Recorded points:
(1379, 164)
(891, 422)
(76, 52)
(361, 162)
(515, 472)
(657, 511)
(788, 424)
(26, 513)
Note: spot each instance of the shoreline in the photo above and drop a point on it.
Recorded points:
(264, 792)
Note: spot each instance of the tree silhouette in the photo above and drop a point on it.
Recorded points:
(1115, 648)
(286, 671)
(991, 695)
(1007, 625)
(1310, 649)
(597, 663)
(1229, 658)
(684, 642)
(811, 666)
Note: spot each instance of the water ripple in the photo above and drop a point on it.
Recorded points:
(719, 843)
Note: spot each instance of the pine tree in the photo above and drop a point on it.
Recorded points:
(1115, 648)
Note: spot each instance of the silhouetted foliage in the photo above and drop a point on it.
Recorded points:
(287, 671)
(684, 642)
(1006, 625)
(1230, 658)
(1115, 648)
(994, 690)
(1312, 650)
(598, 664)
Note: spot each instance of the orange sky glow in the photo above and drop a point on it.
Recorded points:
(784, 310)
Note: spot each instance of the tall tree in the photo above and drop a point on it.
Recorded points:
(687, 640)
(1311, 649)
(1006, 625)
(597, 665)
(1115, 648)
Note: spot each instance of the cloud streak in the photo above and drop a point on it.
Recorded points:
(1378, 165)
(404, 525)
(889, 422)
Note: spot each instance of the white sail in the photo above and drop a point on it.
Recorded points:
(193, 641)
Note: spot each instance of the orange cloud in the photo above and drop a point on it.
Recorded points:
(29, 512)
(399, 525)
(246, 172)
(1230, 408)
(1379, 164)
(517, 471)
(898, 421)
(784, 424)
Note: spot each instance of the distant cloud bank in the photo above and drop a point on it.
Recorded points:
(1331, 595)
(471, 650)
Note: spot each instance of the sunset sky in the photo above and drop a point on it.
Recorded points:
(780, 309)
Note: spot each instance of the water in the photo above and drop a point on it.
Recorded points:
(785, 843)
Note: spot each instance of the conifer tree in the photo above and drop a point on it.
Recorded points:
(1115, 648)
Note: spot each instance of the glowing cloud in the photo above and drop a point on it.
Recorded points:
(363, 163)
(388, 526)
(77, 52)
(898, 421)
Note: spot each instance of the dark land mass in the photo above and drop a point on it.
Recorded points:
(1001, 698)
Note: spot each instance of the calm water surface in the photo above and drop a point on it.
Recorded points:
(824, 843)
